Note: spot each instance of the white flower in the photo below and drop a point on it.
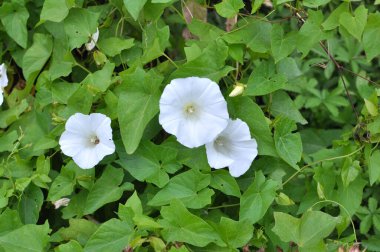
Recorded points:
(94, 38)
(87, 139)
(238, 90)
(234, 148)
(194, 110)
(3, 81)
(61, 202)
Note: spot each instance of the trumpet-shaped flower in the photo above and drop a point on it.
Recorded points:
(234, 148)
(3, 81)
(87, 139)
(194, 110)
(94, 38)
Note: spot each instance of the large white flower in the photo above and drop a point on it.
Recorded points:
(94, 38)
(87, 139)
(234, 148)
(194, 110)
(3, 81)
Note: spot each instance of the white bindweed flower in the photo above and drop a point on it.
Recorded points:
(3, 81)
(194, 110)
(87, 139)
(234, 148)
(238, 90)
(94, 38)
(61, 202)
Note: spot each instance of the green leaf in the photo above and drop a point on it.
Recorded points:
(30, 204)
(371, 34)
(350, 197)
(113, 235)
(256, 4)
(71, 246)
(79, 25)
(7, 141)
(190, 187)
(210, 63)
(355, 24)
(315, 3)
(36, 56)
(9, 220)
(62, 185)
(56, 10)
(35, 238)
(288, 144)
(154, 42)
(310, 33)
(255, 35)
(137, 106)
(78, 229)
(100, 80)
(282, 105)
(224, 182)
(256, 200)
(374, 167)
(182, 226)
(264, 81)
(235, 233)
(147, 164)
(229, 8)
(134, 7)
(14, 17)
(105, 190)
(282, 45)
(332, 21)
(251, 113)
(308, 231)
(114, 45)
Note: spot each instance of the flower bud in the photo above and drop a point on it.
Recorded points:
(238, 89)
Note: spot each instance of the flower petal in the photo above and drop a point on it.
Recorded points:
(243, 153)
(79, 124)
(72, 143)
(3, 76)
(215, 158)
(210, 116)
(237, 130)
(94, 38)
(87, 158)
(100, 123)
(1, 97)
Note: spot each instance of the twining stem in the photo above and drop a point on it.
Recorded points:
(320, 161)
(345, 209)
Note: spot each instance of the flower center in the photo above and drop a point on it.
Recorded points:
(219, 141)
(190, 109)
(94, 140)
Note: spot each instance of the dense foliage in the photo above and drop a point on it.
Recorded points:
(307, 70)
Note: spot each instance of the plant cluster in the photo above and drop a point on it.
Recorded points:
(114, 114)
